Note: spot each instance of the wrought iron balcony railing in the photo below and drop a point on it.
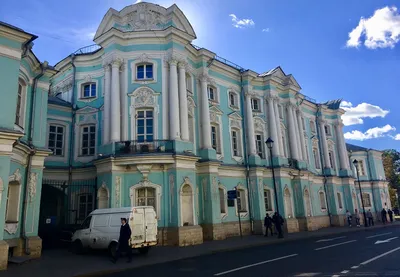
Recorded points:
(144, 147)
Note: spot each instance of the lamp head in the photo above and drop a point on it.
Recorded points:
(269, 143)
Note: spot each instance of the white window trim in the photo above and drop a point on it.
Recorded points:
(66, 145)
(187, 182)
(105, 188)
(305, 203)
(259, 110)
(87, 120)
(144, 59)
(81, 140)
(147, 184)
(271, 200)
(280, 111)
(216, 119)
(370, 200)
(338, 193)
(219, 140)
(329, 128)
(79, 86)
(11, 227)
(312, 124)
(236, 107)
(292, 215)
(24, 93)
(216, 94)
(239, 143)
(324, 210)
(144, 64)
(263, 150)
(189, 88)
(224, 215)
(363, 167)
(242, 214)
(285, 141)
(90, 92)
(136, 118)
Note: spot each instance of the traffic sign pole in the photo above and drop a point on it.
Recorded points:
(238, 211)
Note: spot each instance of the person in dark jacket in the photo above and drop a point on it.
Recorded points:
(268, 225)
(278, 222)
(383, 214)
(390, 213)
(123, 241)
(370, 218)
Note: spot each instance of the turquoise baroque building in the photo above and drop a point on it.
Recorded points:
(25, 83)
(144, 117)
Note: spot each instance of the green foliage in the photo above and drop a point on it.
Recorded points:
(391, 165)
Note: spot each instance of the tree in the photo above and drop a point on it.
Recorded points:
(391, 165)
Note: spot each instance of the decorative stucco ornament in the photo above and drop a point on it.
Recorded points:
(32, 185)
(145, 18)
(143, 97)
(117, 191)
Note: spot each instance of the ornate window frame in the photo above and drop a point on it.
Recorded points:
(271, 197)
(20, 126)
(339, 199)
(144, 59)
(236, 106)
(285, 141)
(79, 86)
(147, 184)
(241, 189)
(66, 145)
(143, 98)
(189, 183)
(11, 226)
(89, 117)
(323, 205)
(290, 195)
(225, 199)
(105, 188)
(212, 84)
(316, 160)
(235, 125)
(306, 190)
(331, 150)
(216, 120)
(261, 129)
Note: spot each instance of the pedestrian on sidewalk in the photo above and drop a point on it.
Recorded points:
(268, 225)
(357, 216)
(278, 222)
(383, 214)
(349, 218)
(370, 218)
(390, 215)
(123, 241)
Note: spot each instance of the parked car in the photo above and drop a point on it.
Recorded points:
(100, 229)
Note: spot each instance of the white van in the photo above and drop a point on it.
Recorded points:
(100, 230)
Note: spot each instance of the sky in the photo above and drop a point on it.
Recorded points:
(335, 49)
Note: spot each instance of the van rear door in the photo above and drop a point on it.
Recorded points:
(151, 225)
(137, 224)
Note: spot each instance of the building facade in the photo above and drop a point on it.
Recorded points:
(144, 117)
(25, 83)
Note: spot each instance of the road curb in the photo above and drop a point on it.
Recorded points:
(229, 249)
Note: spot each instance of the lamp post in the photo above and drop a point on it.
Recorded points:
(356, 164)
(269, 144)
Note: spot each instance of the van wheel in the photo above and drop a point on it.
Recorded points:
(77, 247)
(144, 250)
(112, 249)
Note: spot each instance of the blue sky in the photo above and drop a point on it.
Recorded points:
(334, 49)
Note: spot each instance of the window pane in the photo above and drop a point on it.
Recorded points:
(84, 151)
(140, 75)
(149, 113)
(149, 129)
(53, 128)
(140, 114)
(149, 122)
(93, 90)
(59, 144)
(149, 71)
(86, 90)
(51, 143)
(92, 129)
(60, 130)
(140, 122)
(149, 137)
(52, 136)
(140, 138)
(140, 130)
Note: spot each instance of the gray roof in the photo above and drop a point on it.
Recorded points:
(355, 148)
(333, 104)
(57, 101)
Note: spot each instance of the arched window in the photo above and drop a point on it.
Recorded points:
(288, 203)
(102, 198)
(322, 200)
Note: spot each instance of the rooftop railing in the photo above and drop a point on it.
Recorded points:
(87, 49)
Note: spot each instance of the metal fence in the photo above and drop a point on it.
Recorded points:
(143, 147)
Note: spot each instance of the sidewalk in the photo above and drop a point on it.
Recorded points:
(62, 263)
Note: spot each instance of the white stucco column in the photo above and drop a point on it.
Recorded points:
(292, 133)
(250, 126)
(115, 101)
(107, 103)
(205, 114)
(301, 134)
(124, 101)
(342, 154)
(279, 141)
(183, 107)
(174, 127)
(297, 129)
(273, 127)
(324, 142)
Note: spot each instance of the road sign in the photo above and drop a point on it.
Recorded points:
(232, 194)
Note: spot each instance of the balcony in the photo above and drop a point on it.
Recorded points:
(135, 147)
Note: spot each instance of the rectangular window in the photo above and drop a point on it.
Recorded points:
(304, 123)
(267, 200)
(189, 83)
(361, 170)
(191, 129)
(88, 145)
(339, 198)
(89, 90)
(215, 139)
(255, 104)
(260, 146)
(280, 109)
(56, 140)
(312, 126)
(322, 200)
(85, 205)
(241, 201)
(18, 120)
(144, 72)
(235, 146)
(327, 130)
(331, 159)
(366, 199)
(144, 125)
(232, 99)
(211, 94)
(316, 159)
(222, 201)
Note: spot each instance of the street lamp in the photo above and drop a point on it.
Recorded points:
(356, 164)
(269, 144)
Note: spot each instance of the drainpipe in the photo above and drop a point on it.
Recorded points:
(322, 163)
(32, 152)
(71, 131)
(246, 159)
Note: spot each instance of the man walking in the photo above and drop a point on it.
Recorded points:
(390, 213)
(348, 215)
(268, 225)
(370, 218)
(383, 214)
(123, 241)
(278, 222)
(357, 216)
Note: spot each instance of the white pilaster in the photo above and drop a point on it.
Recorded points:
(165, 100)
(124, 101)
(174, 128)
(205, 114)
(115, 101)
(301, 134)
(297, 129)
(292, 133)
(272, 127)
(107, 103)
(343, 157)
(184, 120)
(324, 143)
(278, 127)
(250, 126)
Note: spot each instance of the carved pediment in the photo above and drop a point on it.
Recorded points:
(143, 97)
(86, 109)
(235, 116)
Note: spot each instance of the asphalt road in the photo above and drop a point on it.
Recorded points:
(364, 253)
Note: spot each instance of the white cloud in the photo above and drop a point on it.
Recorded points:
(241, 23)
(376, 132)
(138, 1)
(355, 115)
(381, 30)
(396, 137)
(265, 30)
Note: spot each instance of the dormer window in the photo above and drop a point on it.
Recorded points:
(89, 90)
(144, 72)
(255, 104)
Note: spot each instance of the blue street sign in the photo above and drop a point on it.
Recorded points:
(232, 194)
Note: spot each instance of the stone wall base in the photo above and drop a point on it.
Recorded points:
(291, 225)
(180, 236)
(258, 227)
(3, 255)
(18, 247)
(306, 224)
(339, 220)
(213, 231)
(232, 228)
